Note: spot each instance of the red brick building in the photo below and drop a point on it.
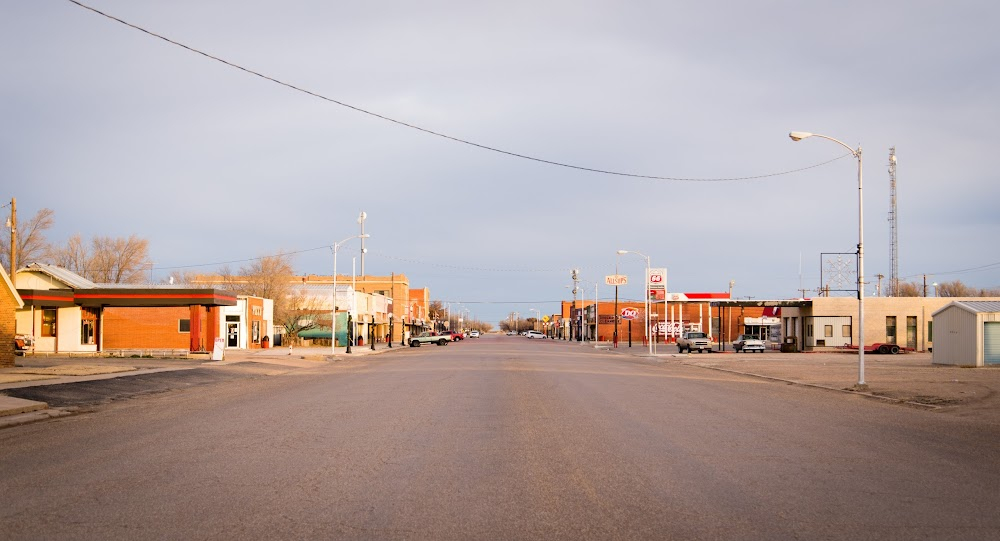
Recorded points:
(66, 313)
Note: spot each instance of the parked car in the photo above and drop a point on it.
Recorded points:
(747, 342)
(455, 335)
(534, 334)
(510, 333)
(473, 334)
(428, 337)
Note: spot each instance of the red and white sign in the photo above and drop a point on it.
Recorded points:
(657, 279)
(630, 313)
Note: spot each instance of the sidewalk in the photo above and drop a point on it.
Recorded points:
(33, 371)
(908, 379)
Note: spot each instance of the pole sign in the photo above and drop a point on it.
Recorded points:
(630, 313)
(616, 280)
(656, 284)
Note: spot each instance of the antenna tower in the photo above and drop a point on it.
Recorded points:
(893, 238)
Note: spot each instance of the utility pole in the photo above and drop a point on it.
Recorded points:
(13, 239)
(576, 280)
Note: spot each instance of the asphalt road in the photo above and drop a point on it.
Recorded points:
(499, 438)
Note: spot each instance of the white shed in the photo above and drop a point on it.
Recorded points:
(967, 333)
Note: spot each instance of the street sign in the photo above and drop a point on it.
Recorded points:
(630, 313)
(616, 280)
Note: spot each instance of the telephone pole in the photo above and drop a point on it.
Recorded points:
(13, 239)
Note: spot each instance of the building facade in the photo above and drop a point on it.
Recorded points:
(66, 313)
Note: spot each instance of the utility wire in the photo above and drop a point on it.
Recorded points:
(435, 133)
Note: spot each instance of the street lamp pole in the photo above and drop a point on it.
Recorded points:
(333, 311)
(645, 292)
(362, 236)
(798, 136)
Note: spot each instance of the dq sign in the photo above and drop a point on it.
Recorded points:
(630, 313)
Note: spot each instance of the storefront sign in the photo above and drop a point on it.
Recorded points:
(616, 280)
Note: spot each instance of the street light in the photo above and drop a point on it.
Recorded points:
(362, 236)
(538, 317)
(798, 136)
(645, 288)
(333, 324)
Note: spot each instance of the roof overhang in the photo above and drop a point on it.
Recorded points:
(122, 297)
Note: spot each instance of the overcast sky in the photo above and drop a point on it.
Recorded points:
(123, 133)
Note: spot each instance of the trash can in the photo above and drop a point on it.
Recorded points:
(265, 342)
(790, 345)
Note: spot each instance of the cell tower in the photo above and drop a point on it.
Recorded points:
(893, 238)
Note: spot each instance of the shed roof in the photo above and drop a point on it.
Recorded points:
(976, 307)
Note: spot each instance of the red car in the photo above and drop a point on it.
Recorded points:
(455, 336)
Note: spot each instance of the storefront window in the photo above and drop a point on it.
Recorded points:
(88, 326)
(49, 322)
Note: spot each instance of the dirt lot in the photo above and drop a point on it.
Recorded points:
(907, 378)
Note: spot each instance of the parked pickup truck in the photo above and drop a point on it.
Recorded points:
(428, 337)
(694, 341)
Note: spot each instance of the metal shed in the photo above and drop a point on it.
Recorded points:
(967, 333)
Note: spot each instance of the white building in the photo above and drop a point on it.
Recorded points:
(967, 333)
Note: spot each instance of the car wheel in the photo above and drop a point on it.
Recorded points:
(414, 343)
(442, 342)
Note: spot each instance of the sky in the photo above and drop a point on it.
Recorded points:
(480, 139)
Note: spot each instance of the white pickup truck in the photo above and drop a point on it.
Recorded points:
(694, 341)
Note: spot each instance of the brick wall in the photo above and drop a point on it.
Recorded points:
(7, 310)
(151, 328)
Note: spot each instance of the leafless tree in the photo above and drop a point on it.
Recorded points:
(300, 311)
(107, 260)
(909, 289)
(180, 277)
(31, 242)
(959, 289)
(268, 277)
(119, 260)
(73, 256)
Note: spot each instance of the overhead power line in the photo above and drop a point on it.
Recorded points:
(435, 133)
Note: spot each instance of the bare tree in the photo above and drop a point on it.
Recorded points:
(180, 277)
(959, 289)
(107, 261)
(909, 289)
(300, 311)
(119, 261)
(73, 256)
(31, 242)
(268, 277)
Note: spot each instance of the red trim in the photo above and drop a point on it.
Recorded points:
(68, 298)
(691, 296)
(152, 296)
